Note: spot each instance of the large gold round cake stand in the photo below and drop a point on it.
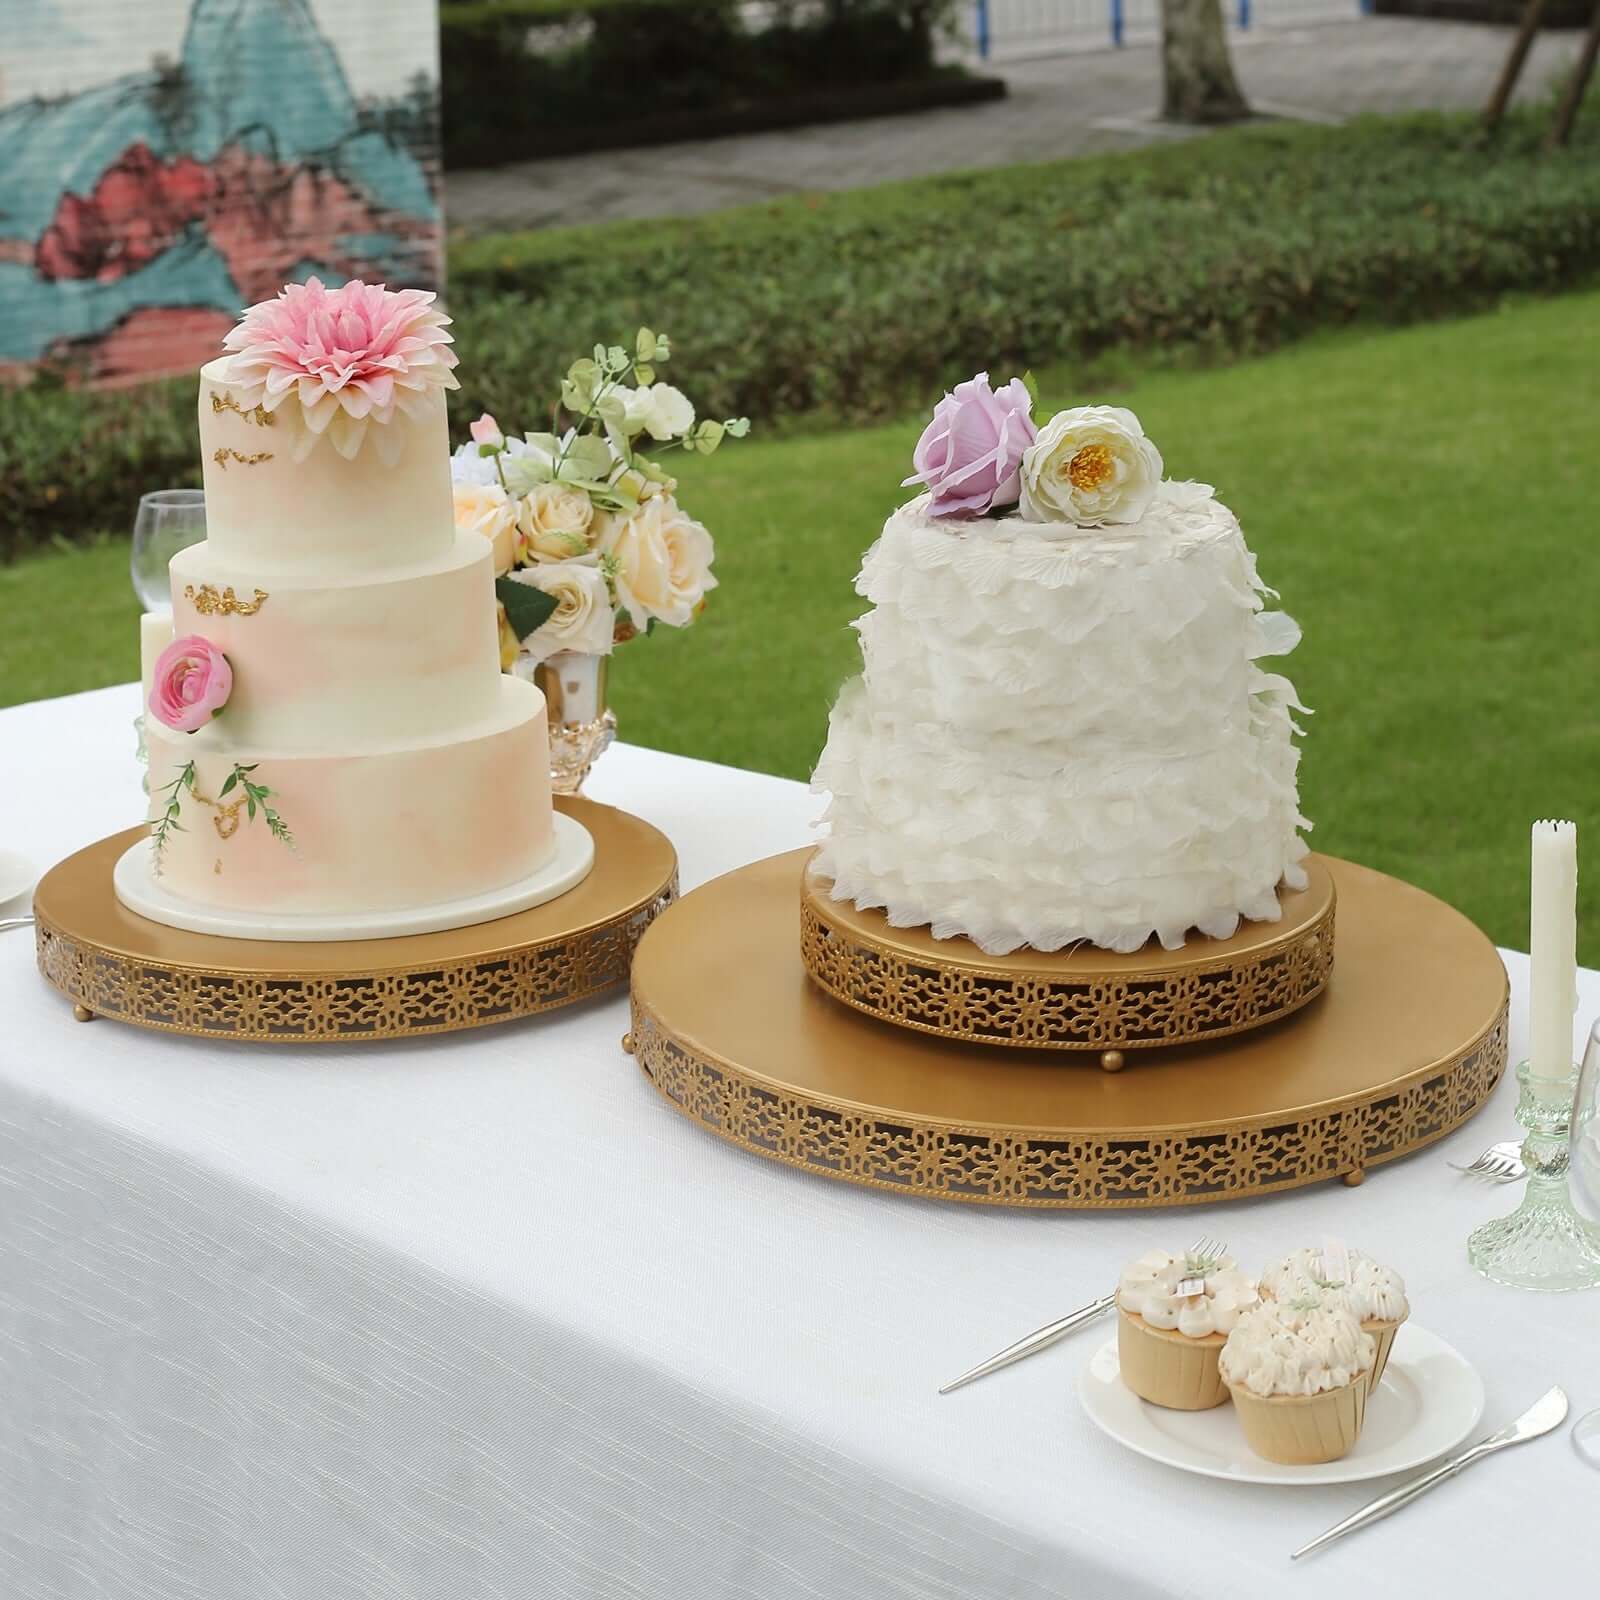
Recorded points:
(1405, 1044)
(1080, 998)
(111, 962)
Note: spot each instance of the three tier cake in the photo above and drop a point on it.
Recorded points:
(333, 748)
(1062, 731)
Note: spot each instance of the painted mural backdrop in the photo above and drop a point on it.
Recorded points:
(164, 163)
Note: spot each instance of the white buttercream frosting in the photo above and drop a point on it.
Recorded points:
(1300, 1346)
(1064, 733)
(1374, 1293)
(1149, 1289)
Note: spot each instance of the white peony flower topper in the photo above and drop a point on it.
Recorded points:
(983, 454)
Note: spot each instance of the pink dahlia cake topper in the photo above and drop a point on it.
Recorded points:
(343, 359)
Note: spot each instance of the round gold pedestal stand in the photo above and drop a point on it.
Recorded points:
(111, 962)
(1080, 998)
(1405, 1044)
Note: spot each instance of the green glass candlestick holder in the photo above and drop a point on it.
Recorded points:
(1545, 1243)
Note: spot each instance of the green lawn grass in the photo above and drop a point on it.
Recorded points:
(1423, 499)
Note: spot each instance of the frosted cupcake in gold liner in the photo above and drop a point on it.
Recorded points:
(1167, 1342)
(1375, 1294)
(1299, 1371)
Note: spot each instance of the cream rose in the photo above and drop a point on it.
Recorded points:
(553, 523)
(487, 509)
(583, 618)
(662, 561)
(1090, 465)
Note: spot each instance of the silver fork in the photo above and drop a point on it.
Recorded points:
(1202, 1252)
(15, 922)
(1500, 1163)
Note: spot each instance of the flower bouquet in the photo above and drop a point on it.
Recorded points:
(591, 547)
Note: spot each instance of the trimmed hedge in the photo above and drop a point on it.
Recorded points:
(865, 304)
(598, 69)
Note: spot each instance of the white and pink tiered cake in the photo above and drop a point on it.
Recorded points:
(334, 752)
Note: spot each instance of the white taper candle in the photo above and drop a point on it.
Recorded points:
(1553, 946)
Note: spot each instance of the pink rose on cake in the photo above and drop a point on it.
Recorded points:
(969, 457)
(191, 683)
(341, 360)
(660, 561)
(486, 508)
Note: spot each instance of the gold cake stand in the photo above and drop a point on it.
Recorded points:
(111, 962)
(1405, 1044)
(1079, 998)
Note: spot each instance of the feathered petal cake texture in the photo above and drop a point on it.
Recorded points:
(1064, 734)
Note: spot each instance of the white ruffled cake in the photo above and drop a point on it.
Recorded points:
(1064, 732)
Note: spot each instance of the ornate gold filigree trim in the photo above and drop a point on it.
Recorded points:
(1062, 1004)
(208, 602)
(1035, 1167)
(222, 457)
(259, 415)
(128, 970)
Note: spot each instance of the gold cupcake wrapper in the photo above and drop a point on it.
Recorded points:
(1303, 1430)
(1168, 1368)
(1383, 1342)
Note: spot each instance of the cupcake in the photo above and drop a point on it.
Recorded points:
(1167, 1342)
(1375, 1294)
(1299, 1371)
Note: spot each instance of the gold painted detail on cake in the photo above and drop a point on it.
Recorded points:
(223, 456)
(1090, 467)
(253, 797)
(259, 415)
(208, 602)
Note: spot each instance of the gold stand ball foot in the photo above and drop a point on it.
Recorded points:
(1354, 1178)
(1112, 1061)
(627, 1044)
(82, 1014)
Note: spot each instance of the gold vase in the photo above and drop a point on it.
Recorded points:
(582, 725)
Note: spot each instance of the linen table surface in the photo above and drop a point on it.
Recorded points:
(480, 1318)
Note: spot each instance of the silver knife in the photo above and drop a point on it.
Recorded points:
(1547, 1412)
(1039, 1339)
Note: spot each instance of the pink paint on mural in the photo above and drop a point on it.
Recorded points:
(139, 212)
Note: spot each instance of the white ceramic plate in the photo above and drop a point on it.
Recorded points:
(17, 876)
(1430, 1399)
(139, 890)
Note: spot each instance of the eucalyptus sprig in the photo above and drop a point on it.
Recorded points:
(611, 398)
(257, 795)
(167, 823)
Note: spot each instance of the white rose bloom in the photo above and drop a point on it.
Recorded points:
(666, 411)
(467, 466)
(583, 618)
(487, 509)
(553, 523)
(663, 561)
(1090, 465)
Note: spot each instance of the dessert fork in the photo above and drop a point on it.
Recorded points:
(1203, 1253)
(1500, 1163)
(15, 922)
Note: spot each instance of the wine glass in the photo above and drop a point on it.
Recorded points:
(1583, 1148)
(169, 520)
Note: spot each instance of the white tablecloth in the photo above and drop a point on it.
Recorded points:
(481, 1319)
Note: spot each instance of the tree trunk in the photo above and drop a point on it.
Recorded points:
(1198, 84)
